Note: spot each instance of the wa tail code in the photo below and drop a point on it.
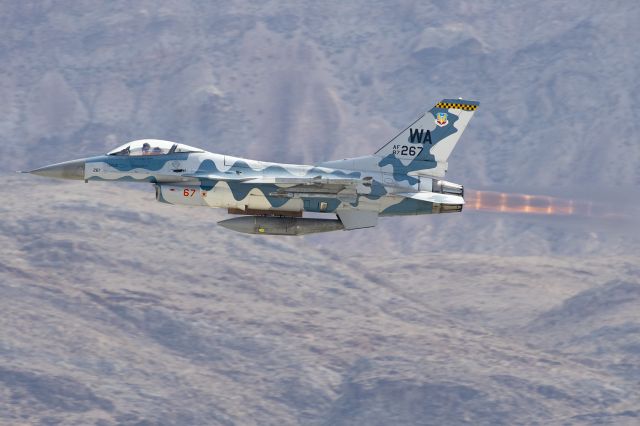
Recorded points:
(420, 136)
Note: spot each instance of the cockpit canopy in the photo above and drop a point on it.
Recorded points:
(152, 147)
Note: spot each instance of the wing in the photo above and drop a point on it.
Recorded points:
(311, 181)
(345, 189)
(278, 180)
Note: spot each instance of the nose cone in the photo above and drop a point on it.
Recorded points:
(68, 170)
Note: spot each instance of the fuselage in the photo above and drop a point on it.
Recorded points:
(172, 174)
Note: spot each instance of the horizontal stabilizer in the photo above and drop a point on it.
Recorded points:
(433, 197)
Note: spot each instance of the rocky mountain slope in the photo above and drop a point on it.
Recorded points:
(313, 81)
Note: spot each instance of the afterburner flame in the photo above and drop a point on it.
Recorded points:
(503, 202)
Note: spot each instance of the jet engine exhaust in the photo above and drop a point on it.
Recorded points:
(503, 202)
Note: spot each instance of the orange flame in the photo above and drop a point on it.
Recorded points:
(503, 202)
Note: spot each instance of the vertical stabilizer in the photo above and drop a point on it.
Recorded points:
(425, 146)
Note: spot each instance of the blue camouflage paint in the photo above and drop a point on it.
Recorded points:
(400, 170)
(377, 190)
(240, 167)
(151, 179)
(150, 162)
(240, 191)
(208, 185)
(207, 166)
(439, 133)
(425, 160)
(408, 206)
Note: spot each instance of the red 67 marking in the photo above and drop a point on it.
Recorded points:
(188, 192)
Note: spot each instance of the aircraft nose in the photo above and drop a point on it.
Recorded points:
(68, 170)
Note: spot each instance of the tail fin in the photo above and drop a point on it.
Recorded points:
(426, 144)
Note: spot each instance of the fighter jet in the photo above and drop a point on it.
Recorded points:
(404, 177)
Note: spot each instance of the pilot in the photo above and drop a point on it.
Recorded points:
(157, 150)
(146, 148)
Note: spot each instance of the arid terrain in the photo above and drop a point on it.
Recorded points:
(118, 310)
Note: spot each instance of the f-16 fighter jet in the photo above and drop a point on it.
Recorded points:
(404, 177)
